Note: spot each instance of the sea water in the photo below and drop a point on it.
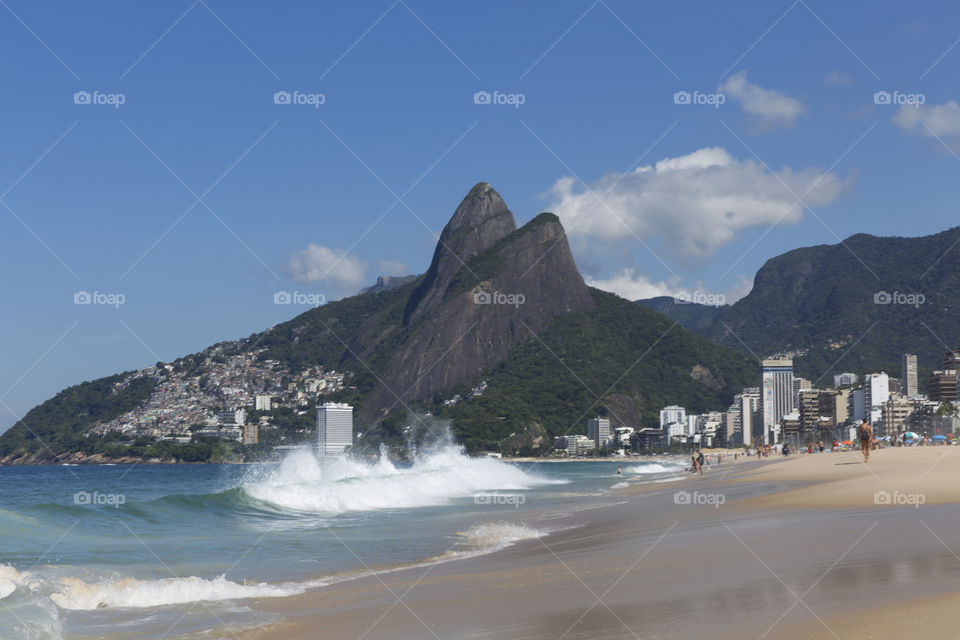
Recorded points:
(153, 551)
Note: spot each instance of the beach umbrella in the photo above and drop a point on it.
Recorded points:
(910, 435)
(847, 442)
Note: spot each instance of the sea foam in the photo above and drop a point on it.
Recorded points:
(303, 482)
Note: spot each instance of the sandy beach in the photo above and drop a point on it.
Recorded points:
(813, 546)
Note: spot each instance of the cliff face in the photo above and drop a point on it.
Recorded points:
(478, 223)
(467, 315)
(867, 300)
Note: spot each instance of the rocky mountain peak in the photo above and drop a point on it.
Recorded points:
(479, 222)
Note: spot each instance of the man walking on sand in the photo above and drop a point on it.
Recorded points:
(865, 433)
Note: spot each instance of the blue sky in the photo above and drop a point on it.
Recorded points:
(199, 197)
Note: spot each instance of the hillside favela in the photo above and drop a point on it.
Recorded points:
(417, 319)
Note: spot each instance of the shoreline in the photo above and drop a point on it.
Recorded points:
(674, 569)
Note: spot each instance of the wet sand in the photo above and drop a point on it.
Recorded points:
(794, 548)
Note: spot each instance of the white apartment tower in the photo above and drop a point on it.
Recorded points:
(598, 430)
(334, 428)
(908, 372)
(776, 396)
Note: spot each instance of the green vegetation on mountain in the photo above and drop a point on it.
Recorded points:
(567, 375)
(58, 425)
(553, 351)
(854, 306)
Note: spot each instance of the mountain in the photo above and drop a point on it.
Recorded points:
(689, 315)
(853, 306)
(385, 283)
(501, 336)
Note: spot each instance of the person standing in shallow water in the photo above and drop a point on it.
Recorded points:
(865, 434)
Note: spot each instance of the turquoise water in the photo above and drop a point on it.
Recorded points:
(151, 551)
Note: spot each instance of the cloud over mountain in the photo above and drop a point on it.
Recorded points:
(688, 206)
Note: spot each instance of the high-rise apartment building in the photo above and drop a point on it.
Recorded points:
(598, 430)
(908, 375)
(334, 428)
(777, 396)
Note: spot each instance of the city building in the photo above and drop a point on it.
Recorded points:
(598, 430)
(579, 445)
(876, 387)
(693, 424)
(251, 433)
(841, 406)
(790, 424)
(942, 386)
(671, 414)
(232, 416)
(751, 420)
(858, 405)
(334, 428)
(951, 360)
(799, 384)
(262, 402)
(777, 396)
(894, 414)
(731, 425)
(676, 432)
(809, 409)
(845, 380)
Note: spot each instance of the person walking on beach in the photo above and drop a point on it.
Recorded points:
(694, 463)
(865, 433)
(700, 462)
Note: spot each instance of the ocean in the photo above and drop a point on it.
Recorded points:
(170, 551)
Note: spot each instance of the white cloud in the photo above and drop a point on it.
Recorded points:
(334, 267)
(838, 78)
(629, 284)
(691, 205)
(935, 120)
(770, 108)
(392, 268)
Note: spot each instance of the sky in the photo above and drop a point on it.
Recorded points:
(169, 168)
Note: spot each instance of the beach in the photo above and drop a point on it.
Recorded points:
(812, 546)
